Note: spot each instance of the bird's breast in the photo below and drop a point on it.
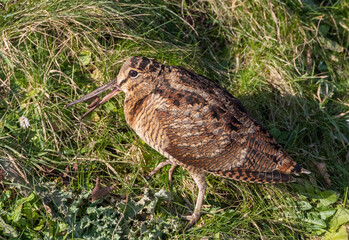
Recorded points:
(140, 114)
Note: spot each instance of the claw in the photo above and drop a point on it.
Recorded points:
(170, 172)
(192, 219)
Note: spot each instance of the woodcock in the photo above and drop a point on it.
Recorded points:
(195, 124)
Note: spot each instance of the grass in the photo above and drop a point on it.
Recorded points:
(287, 62)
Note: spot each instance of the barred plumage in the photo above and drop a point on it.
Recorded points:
(196, 124)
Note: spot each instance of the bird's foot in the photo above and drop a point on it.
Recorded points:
(161, 165)
(192, 219)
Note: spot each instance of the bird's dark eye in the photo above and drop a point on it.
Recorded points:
(133, 73)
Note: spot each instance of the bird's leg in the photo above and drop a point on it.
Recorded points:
(161, 165)
(170, 172)
(158, 167)
(200, 180)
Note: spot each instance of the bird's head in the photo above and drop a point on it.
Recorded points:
(138, 75)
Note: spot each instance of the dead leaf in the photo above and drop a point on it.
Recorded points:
(323, 171)
(48, 172)
(99, 192)
(48, 209)
(70, 172)
(2, 175)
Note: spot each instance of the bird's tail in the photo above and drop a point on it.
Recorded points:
(247, 175)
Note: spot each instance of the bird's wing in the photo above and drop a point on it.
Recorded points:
(209, 129)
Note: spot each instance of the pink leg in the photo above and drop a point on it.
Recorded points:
(161, 165)
(200, 181)
(170, 172)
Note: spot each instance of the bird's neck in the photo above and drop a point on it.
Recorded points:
(133, 103)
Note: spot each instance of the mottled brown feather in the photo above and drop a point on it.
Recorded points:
(196, 124)
(209, 129)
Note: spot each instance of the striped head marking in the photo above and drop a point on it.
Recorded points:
(138, 73)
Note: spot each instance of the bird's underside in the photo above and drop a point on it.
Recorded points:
(196, 124)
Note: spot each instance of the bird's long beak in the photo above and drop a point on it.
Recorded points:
(94, 95)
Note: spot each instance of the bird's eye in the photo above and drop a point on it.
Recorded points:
(133, 73)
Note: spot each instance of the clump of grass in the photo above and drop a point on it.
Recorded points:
(287, 62)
